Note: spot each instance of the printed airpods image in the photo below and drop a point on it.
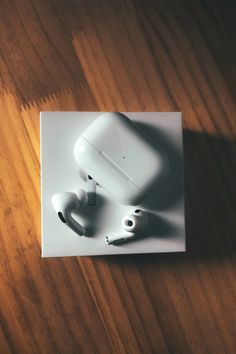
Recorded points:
(132, 224)
(65, 203)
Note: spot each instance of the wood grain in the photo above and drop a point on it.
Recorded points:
(124, 56)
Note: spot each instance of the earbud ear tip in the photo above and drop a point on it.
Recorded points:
(135, 221)
(142, 214)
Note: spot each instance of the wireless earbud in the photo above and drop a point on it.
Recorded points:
(132, 223)
(65, 203)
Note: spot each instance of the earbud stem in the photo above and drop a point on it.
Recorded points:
(91, 190)
(119, 238)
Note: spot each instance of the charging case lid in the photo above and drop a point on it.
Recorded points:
(114, 152)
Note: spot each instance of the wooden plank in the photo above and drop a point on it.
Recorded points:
(101, 55)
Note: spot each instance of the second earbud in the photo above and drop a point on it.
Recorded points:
(132, 224)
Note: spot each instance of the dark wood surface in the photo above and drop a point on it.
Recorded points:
(124, 56)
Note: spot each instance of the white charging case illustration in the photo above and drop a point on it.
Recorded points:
(116, 154)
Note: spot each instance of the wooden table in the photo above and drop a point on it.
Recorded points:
(123, 56)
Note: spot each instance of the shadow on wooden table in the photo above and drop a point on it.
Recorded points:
(210, 196)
